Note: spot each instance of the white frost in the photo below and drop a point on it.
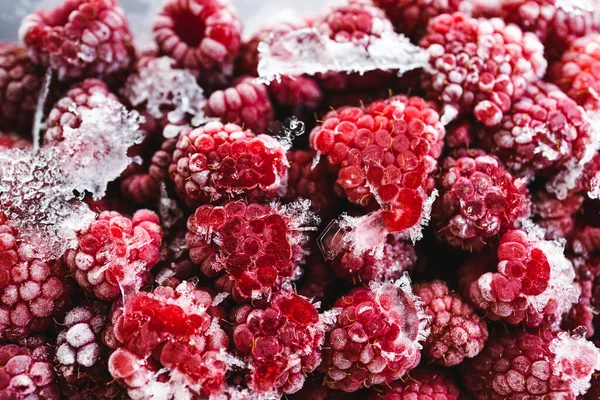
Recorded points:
(576, 6)
(574, 360)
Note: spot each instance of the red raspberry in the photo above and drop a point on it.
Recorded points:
(557, 217)
(79, 39)
(375, 339)
(32, 291)
(219, 160)
(532, 283)
(85, 95)
(20, 83)
(461, 135)
(280, 343)
(543, 130)
(423, 383)
(116, 253)
(203, 36)
(9, 141)
(518, 364)
(27, 373)
(251, 249)
(171, 328)
(479, 200)
(457, 332)
(386, 152)
(246, 103)
(480, 65)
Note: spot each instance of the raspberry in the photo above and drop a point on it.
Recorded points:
(460, 135)
(27, 373)
(281, 342)
(456, 331)
(519, 364)
(533, 281)
(250, 249)
(85, 95)
(203, 36)
(375, 339)
(543, 130)
(424, 383)
(219, 160)
(20, 83)
(479, 200)
(79, 39)
(9, 141)
(296, 92)
(480, 65)
(556, 216)
(385, 151)
(116, 253)
(171, 328)
(246, 103)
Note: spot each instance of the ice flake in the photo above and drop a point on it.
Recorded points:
(575, 360)
(306, 51)
(450, 113)
(219, 298)
(39, 109)
(287, 131)
(231, 360)
(576, 7)
(416, 232)
(168, 209)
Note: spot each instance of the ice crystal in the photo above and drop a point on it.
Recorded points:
(576, 7)
(575, 360)
(287, 131)
(39, 109)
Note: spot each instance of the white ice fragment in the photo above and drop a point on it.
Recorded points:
(450, 113)
(219, 298)
(416, 232)
(306, 51)
(576, 7)
(574, 361)
(230, 359)
(168, 209)
(287, 130)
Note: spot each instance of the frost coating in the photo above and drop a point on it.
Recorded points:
(576, 6)
(306, 51)
(575, 360)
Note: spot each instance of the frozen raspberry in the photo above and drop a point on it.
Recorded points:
(315, 390)
(203, 36)
(557, 217)
(543, 130)
(246, 103)
(375, 339)
(557, 23)
(9, 141)
(411, 17)
(216, 161)
(423, 383)
(84, 95)
(20, 83)
(457, 332)
(27, 373)
(479, 199)
(296, 92)
(169, 340)
(531, 283)
(461, 135)
(480, 65)
(79, 39)
(116, 253)
(250, 249)
(519, 364)
(280, 343)
(384, 152)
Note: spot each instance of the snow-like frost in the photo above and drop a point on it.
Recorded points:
(306, 51)
(575, 360)
(576, 6)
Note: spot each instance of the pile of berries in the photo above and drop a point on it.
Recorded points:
(428, 232)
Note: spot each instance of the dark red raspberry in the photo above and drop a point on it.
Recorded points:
(9, 141)
(251, 249)
(479, 200)
(216, 161)
(169, 341)
(557, 217)
(461, 135)
(296, 92)
(480, 65)
(116, 253)
(280, 343)
(20, 83)
(315, 390)
(80, 39)
(532, 283)
(423, 383)
(85, 95)
(246, 103)
(457, 332)
(203, 36)
(518, 364)
(375, 339)
(27, 373)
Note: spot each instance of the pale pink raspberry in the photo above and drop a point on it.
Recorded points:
(27, 373)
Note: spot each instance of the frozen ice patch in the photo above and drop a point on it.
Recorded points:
(576, 6)
(575, 360)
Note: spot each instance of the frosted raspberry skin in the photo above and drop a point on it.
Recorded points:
(457, 332)
(251, 250)
(79, 39)
(217, 160)
(373, 341)
(478, 200)
(557, 217)
(116, 253)
(27, 373)
(424, 383)
(20, 83)
(281, 342)
(480, 66)
(246, 103)
(9, 141)
(203, 36)
(461, 135)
